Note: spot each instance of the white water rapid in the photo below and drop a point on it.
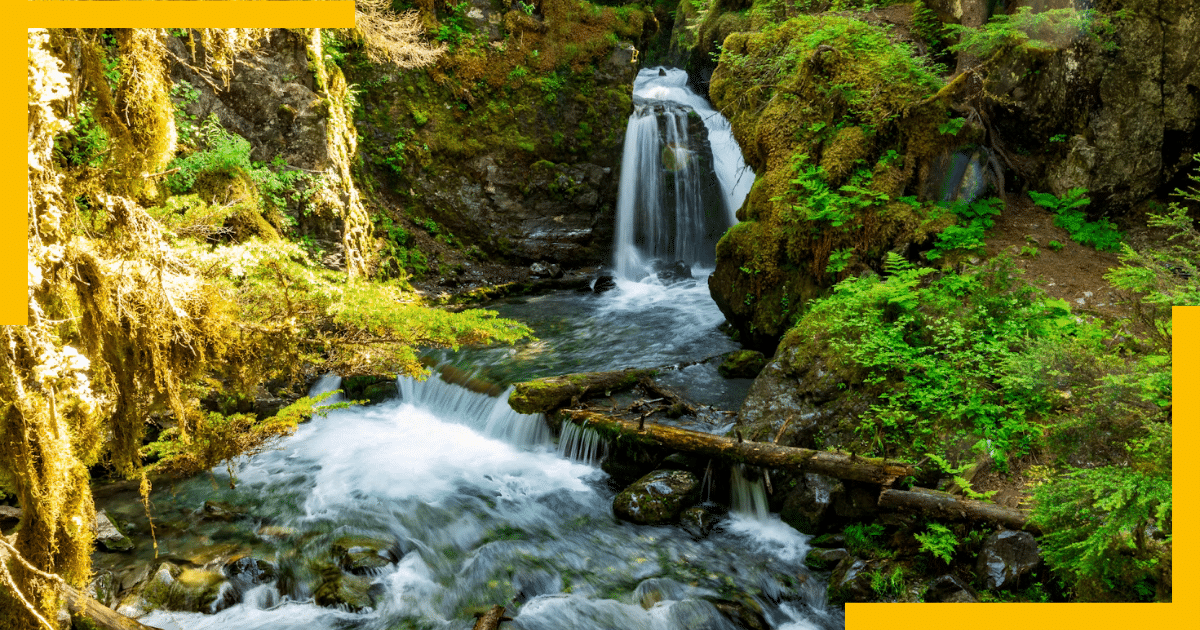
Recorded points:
(475, 506)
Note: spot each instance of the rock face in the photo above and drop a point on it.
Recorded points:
(658, 497)
(1006, 557)
(525, 169)
(1123, 123)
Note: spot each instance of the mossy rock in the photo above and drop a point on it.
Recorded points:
(339, 589)
(742, 364)
(657, 498)
(821, 559)
(362, 554)
(184, 589)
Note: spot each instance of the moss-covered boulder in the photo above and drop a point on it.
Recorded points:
(742, 364)
(362, 554)
(820, 559)
(189, 589)
(657, 498)
(343, 590)
(832, 117)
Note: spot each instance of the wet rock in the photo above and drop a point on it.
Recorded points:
(604, 283)
(810, 506)
(949, 589)
(9, 517)
(177, 588)
(218, 511)
(535, 583)
(829, 541)
(851, 580)
(104, 588)
(248, 571)
(362, 554)
(825, 559)
(696, 614)
(1006, 557)
(546, 270)
(654, 590)
(657, 498)
(683, 461)
(742, 364)
(372, 389)
(673, 272)
(698, 520)
(108, 536)
(339, 589)
(743, 611)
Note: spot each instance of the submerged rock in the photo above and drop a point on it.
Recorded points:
(184, 589)
(673, 272)
(1006, 557)
(657, 498)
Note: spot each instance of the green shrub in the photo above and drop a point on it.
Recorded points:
(863, 538)
(1037, 30)
(974, 220)
(86, 143)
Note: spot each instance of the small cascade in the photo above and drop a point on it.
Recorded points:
(747, 497)
(682, 178)
(325, 384)
(582, 444)
(490, 416)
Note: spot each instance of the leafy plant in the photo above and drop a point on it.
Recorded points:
(1101, 234)
(861, 538)
(888, 585)
(182, 95)
(975, 219)
(86, 143)
(1055, 245)
(952, 126)
(938, 541)
(1043, 30)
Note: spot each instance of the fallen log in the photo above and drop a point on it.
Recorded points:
(947, 506)
(491, 619)
(869, 469)
(544, 395)
(676, 400)
(98, 614)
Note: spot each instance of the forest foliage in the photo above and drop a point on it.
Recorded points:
(141, 303)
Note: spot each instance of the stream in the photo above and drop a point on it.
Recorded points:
(458, 502)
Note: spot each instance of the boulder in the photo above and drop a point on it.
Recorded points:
(825, 559)
(546, 270)
(950, 589)
(108, 536)
(698, 520)
(339, 589)
(673, 272)
(362, 554)
(742, 364)
(657, 498)
(184, 589)
(604, 283)
(1006, 557)
(809, 507)
(851, 581)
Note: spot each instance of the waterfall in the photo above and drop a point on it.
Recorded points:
(582, 444)
(747, 497)
(679, 188)
(489, 416)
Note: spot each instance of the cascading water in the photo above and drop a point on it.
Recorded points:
(679, 188)
(471, 504)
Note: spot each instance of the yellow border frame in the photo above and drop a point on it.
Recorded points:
(13, 266)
